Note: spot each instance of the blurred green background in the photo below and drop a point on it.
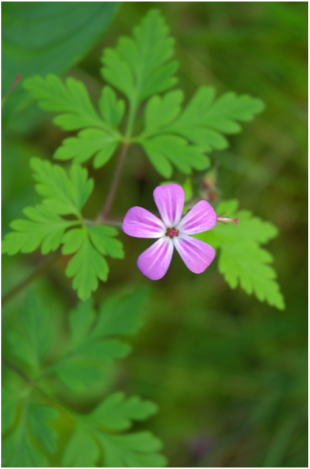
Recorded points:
(229, 373)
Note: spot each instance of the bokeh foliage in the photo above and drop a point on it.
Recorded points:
(227, 372)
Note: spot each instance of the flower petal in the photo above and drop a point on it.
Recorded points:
(170, 201)
(154, 262)
(196, 254)
(200, 218)
(141, 223)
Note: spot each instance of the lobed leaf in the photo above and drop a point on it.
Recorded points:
(121, 316)
(116, 412)
(103, 239)
(161, 111)
(87, 265)
(9, 408)
(25, 444)
(88, 143)
(139, 66)
(70, 100)
(81, 319)
(205, 119)
(44, 228)
(94, 342)
(163, 150)
(100, 138)
(89, 243)
(119, 450)
(202, 123)
(242, 260)
(62, 193)
(65, 195)
(32, 345)
(82, 450)
(132, 450)
(39, 416)
(111, 109)
(78, 373)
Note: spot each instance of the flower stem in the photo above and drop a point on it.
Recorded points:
(40, 270)
(18, 77)
(113, 188)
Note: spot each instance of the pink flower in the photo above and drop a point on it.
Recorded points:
(172, 231)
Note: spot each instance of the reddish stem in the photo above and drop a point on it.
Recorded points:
(114, 184)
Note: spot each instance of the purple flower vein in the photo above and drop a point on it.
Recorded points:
(172, 231)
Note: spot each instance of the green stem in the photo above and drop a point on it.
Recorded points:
(113, 223)
(106, 222)
(114, 185)
(132, 113)
(131, 118)
(40, 270)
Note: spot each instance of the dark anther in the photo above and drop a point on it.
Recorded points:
(171, 232)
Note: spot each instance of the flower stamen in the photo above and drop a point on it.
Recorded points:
(171, 232)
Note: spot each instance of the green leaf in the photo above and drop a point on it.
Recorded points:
(111, 109)
(87, 265)
(205, 119)
(88, 143)
(100, 138)
(161, 111)
(39, 415)
(123, 450)
(69, 100)
(40, 38)
(78, 373)
(44, 227)
(64, 194)
(242, 260)
(167, 131)
(163, 150)
(138, 66)
(33, 343)
(32, 434)
(116, 412)
(132, 450)
(102, 238)
(9, 408)
(82, 450)
(93, 341)
(121, 316)
(80, 319)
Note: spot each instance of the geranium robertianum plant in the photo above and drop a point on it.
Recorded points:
(177, 136)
